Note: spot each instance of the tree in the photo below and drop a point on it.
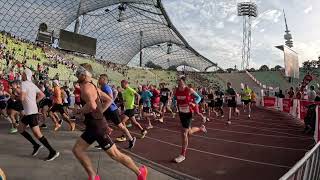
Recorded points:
(252, 70)
(264, 68)
(277, 68)
(150, 64)
(229, 70)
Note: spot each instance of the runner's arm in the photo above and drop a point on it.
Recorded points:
(107, 100)
(196, 96)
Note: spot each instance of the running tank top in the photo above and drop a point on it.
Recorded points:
(183, 100)
(90, 121)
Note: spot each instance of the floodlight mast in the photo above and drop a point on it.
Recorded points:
(247, 10)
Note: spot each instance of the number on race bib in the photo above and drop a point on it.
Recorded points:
(184, 109)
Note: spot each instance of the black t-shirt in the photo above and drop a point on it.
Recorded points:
(219, 95)
(164, 92)
(231, 92)
(210, 96)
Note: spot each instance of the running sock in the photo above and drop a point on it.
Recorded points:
(29, 138)
(183, 152)
(45, 142)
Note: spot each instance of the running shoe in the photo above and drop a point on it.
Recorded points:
(203, 129)
(249, 116)
(95, 178)
(52, 156)
(44, 126)
(149, 127)
(36, 150)
(98, 147)
(161, 120)
(204, 120)
(129, 125)
(173, 115)
(228, 122)
(132, 143)
(179, 159)
(57, 127)
(143, 173)
(222, 116)
(13, 130)
(121, 139)
(143, 133)
(208, 120)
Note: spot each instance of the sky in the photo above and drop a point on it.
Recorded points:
(213, 28)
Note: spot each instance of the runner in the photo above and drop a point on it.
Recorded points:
(45, 103)
(14, 107)
(30, 94)
(96, 102)
(246, 96)
(165, 96)
(112, 113)
(231, 100)
(184, 97)
(155, 101)
(146, 96)
(128, 96)
(195, 109)
(211, 103)
(219, 102)
(58, 107)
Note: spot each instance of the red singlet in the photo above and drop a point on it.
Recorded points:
(183, 100)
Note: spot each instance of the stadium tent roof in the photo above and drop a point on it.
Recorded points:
(118, 32)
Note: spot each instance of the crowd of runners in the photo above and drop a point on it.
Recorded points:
(102, 107)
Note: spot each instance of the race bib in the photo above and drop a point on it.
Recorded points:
(164, 94)
(184, 109)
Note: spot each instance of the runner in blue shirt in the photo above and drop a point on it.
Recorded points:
(146, 102)
(112, 113)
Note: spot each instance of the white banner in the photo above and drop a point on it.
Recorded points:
(291, 63)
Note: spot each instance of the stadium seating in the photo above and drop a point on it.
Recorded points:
(272, 78)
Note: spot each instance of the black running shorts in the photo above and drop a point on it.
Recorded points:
(3, 105)
(15, 105)
(232, 103)
(58, 108)
(96, 130)
(185, 119)
(147, 109)
(113, 116)
(129, 112)
(31, 120)
(246, 102)
(45, 102)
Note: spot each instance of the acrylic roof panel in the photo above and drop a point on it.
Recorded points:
(118, 32)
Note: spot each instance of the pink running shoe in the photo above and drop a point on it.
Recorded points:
(95, 178)
(143, 173)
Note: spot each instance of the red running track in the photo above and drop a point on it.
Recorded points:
(262, 148)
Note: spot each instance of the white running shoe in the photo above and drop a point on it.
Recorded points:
(179, 159)
(204, 120)
(173, 115)
(249, 116)
(203, 129)
(229, 122)
(149, 127)
(161, 120)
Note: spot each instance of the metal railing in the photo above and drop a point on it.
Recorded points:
(308, 168)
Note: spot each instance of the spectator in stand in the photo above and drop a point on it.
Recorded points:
(312, 94)
(281, 95)
(11, 75)
(4, 82)
(298, 93)
(291, 93)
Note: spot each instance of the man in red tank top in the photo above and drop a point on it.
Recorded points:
(184, 97)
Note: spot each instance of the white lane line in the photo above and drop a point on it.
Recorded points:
(237, 142)
(256, 134)
(263, 129)
(236, 124)
(273, 124)
(220, 155)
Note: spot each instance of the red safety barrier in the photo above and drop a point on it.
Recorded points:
(304, 108)
(269, 101)
(286, 105)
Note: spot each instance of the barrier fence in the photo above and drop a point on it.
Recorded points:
(308, 168)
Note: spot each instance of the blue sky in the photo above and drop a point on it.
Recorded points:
(213, 28)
